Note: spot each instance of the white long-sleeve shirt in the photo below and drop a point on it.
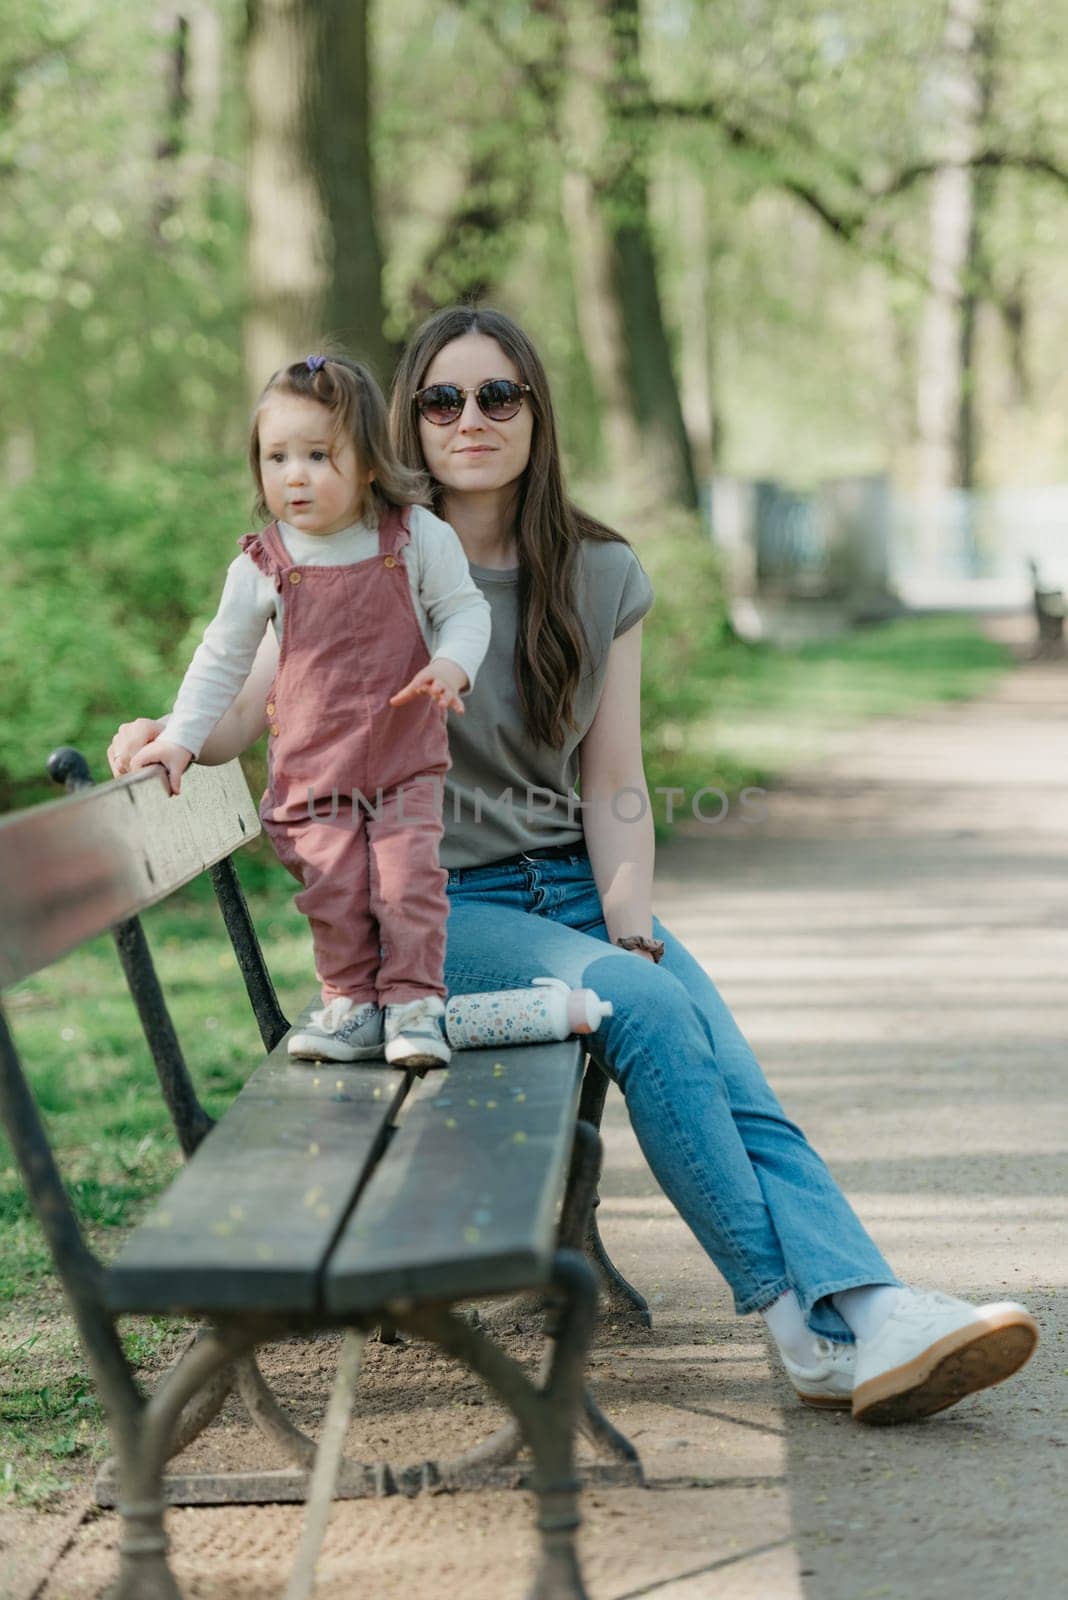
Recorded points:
(452, 614)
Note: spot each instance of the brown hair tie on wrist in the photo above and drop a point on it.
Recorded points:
(638, 941)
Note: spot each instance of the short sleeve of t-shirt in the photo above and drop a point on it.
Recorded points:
(636, 597)
(505, 794)
(612, 593)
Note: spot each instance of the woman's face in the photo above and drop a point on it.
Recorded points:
(474, 455)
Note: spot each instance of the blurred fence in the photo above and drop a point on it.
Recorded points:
(863, 542)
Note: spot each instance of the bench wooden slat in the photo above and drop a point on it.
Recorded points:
(247, 1224)
(435, 1219)
(73, 868)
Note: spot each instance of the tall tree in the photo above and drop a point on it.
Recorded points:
(315, 262)
(613, 248)
(976, 286)
(944, 337)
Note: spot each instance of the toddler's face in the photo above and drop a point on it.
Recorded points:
(310, 480)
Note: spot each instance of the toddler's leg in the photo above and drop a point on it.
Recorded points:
(407, 892)
(330, 860)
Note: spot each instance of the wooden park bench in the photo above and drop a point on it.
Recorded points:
(312, 1203)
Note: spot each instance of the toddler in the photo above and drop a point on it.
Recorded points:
(381, 630)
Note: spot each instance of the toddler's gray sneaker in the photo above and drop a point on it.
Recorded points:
(340, 1031)
(415, 1034)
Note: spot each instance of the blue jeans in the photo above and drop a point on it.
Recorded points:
(759, 1199)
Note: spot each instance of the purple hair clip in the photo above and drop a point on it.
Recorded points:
(315, 363)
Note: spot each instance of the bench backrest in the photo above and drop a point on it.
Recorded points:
(73, 868)
(262, 1218)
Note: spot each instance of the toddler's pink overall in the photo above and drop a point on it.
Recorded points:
(373, 890)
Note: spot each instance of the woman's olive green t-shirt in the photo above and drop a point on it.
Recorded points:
(504, 794)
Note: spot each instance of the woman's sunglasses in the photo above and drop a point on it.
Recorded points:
(499, 399)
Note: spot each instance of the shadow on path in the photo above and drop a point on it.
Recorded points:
(894, 940)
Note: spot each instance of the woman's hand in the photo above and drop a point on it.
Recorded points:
(127, 740)
(442, 680)
(173, 758)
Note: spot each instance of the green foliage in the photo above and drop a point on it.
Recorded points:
(89, 1068)
(120, 268)
(685, 637)
(109, 578)
(765, 709)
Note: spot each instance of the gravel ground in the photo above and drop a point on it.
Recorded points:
(894, 939)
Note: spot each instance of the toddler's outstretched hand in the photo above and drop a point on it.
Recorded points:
(173, 758)
(442, 680)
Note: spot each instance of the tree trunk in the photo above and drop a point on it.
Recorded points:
(600, 320)
(976, 270)
(972, 298)
(469, 255)
(951, 220)
(606, 199)
(174, 26)
(206, 50)
(315, 266)
(697, 351)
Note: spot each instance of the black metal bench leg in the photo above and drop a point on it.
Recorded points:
(548, 1416)
(142, 1453)
(550, 1430)
(618, 1295)
(144, 1572)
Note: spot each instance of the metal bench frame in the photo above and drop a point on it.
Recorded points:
(148, 1432)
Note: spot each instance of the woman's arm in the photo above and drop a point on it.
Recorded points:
(613, 788)
(235, 730)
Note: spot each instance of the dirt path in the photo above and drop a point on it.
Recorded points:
(894, 939)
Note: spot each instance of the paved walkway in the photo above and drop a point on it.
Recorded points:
(895, 941)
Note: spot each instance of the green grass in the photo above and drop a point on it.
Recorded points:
(95, 1086)
(748, 712)
(717, 713)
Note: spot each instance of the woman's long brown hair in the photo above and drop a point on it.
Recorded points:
(550, 643)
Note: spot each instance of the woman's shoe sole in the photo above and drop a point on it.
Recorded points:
(826, 1402)
(969, 1359)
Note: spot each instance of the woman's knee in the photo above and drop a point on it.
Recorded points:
(653, 1020)
(636, 987)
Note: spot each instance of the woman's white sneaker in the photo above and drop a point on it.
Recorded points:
(415, 1034)
(932, 1350)
(827, 1381)
(341, 1031)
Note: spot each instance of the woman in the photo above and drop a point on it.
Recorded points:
(542, 883)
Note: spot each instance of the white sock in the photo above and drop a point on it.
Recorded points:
(787, 1326)
(866, 1309)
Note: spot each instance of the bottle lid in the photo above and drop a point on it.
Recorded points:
(552, 983)
(585, 1010)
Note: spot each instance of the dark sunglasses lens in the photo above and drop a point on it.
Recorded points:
(500, 399)
(441, 403)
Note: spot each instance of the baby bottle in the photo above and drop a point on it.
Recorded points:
(547, 1010)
